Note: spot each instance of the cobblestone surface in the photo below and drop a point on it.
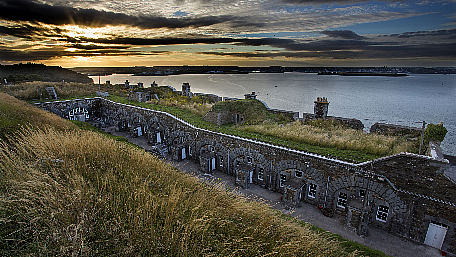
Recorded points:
(376, 239)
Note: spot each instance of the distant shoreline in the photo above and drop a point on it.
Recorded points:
(391, 74)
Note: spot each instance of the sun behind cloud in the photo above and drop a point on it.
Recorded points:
(76, 31)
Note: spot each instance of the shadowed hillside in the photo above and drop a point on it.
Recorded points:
(39, 72)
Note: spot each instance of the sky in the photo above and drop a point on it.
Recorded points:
(99, 33)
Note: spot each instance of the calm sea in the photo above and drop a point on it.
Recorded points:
(397, 100)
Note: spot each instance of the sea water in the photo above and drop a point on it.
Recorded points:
(404, 101)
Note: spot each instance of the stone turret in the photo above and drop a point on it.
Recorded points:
(321, 107)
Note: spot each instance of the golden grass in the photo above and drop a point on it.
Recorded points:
(29, 90)
(336, 136)
(15, 114)
(78, 193)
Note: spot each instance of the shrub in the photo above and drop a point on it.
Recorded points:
(434, 132)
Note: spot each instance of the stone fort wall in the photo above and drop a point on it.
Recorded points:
(402, 194)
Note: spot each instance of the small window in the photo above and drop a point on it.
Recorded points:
(382, 213)
(261, 174)
(283, 179)
(362, 193)
(249, 160)
(312, 191)
(298, 174)
(342, 200)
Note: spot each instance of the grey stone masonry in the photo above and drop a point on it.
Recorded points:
(412, 189)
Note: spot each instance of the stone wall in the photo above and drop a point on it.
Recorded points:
(352, 123)
(392, 129)
(401, 194)
(223, 117)
(289, 114)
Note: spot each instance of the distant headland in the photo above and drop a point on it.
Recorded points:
(19, 73)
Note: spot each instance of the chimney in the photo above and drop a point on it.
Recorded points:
(321, 107)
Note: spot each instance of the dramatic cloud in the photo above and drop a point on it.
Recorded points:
(445, 51)
(25, 56)
(450, 34)
(345, 34)
(320, 2)
(186, 30)
(157, 41)
(49, 54)
(28, 31)
(96, 47)
(30, 11)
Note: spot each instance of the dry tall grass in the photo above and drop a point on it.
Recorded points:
(77, 193)
(15, 115)
(29, 91)
(334, 135)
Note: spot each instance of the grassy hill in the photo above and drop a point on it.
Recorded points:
(40, 72)
(66, 191)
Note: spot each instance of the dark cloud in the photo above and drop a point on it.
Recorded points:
(27, 31)
(318, 45)
(336, 49)
(17, 31)
(9, 55)
(446, 33)
(274, 42)
(344, 34)
(97, 47)
(443, 51)
(31, 11)
(155, 41)
(321, 2)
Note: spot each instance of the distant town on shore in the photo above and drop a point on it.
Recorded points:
(17, 73)
(176, 70)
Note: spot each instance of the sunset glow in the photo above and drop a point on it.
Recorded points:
(219, 32)
(75, 31)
